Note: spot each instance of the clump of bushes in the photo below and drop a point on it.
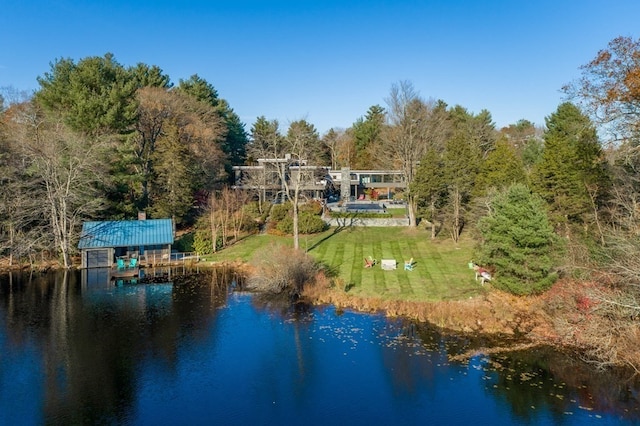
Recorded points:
(307, 224)
(280, 211)
(256, 214)
(282, 271)
(309, 219)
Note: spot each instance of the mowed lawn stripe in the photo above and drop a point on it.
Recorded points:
(441, 269)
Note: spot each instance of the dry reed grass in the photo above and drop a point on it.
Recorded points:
(495, 312)
(562, 317)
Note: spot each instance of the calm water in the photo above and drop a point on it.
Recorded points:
(80, 350)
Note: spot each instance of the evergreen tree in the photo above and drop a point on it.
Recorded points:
(366, 133)
(171, 191)
(96, 96)
(518, 242)
(478, 129)
(501, 168)
(200, 89)
(266, 140)
(460, 167)
(428, 186)
(149, 76)
(571, 175)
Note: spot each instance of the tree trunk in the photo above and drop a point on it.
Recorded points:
(455, 232)
(411, 206)
(433, 220)
(296, 229)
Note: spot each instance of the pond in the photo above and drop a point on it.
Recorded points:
(194, 349)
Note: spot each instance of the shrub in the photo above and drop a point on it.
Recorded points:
(252, 210)
(311, 223)
(280, 211)
(250, 224)
(185, 242)
(285, 226)
(307, 224)
(282, 270)
(202, 242)
(312, 207)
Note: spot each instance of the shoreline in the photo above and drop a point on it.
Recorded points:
(496, 314)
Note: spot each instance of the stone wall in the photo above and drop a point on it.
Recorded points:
(355, 221)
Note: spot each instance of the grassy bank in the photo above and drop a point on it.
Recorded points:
(440, 270)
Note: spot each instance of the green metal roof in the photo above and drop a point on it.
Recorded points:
(126, 233)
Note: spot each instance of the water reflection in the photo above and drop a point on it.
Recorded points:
(75, 349)
(92, 335)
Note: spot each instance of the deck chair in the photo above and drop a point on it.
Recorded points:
(120, 263)
(408, 265)
(369, 262)
(133, 262)
(483, 274)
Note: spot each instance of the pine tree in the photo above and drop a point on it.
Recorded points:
(571, 176)
(366, 134)
(171, 192)
(501, 168)
(518, 242)
(460, 167)
(428, 186)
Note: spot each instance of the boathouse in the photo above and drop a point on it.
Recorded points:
(102, 243)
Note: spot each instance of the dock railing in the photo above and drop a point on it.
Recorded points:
(179, 258)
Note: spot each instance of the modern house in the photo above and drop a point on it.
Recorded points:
(103, 243)
(317, 181)
(266, 178)
(353, 184)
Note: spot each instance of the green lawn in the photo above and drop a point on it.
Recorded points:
(440, 271)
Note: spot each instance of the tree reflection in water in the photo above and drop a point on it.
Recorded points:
(91, 349)
(92, 340)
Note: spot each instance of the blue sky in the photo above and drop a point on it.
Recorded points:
(328, 61)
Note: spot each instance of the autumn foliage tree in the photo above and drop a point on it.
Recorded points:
(609, 89)
(177, 150)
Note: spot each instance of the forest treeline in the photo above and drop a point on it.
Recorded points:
(99, 140)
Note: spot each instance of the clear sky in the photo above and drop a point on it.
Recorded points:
(328, 61)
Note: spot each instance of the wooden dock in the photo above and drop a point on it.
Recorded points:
(125, 272)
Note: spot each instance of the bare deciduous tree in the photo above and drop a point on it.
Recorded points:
(66, 169)
(405, 139)
(225, 214)
(302, 143)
